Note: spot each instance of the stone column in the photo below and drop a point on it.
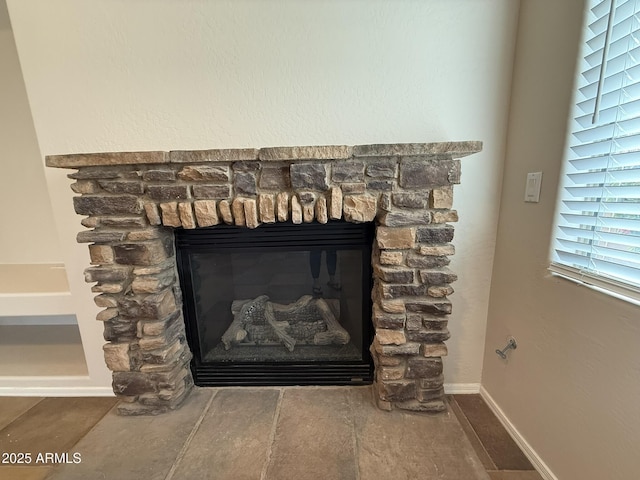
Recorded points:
(134, 270)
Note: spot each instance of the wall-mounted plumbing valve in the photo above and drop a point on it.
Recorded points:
(512, 345)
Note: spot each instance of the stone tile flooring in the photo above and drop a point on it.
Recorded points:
(255, 433)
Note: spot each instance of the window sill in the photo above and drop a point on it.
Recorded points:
(597, 288)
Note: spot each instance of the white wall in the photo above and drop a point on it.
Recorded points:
(147, 75)
(572, 386)
(23, 224)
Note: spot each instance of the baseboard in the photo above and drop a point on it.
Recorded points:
(527, 449)
(78, 391)
(38, 320)
(56, 392)
(65, 388)
(461, 388)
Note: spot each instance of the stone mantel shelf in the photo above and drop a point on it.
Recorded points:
(316, 153)
(132, 201)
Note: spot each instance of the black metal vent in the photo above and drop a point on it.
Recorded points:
(278, 235)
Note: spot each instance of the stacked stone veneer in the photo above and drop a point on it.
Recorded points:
(131, 200)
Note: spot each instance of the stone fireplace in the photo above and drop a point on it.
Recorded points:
(133, 201)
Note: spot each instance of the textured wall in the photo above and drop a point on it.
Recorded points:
(572, 386)
(149, 75)
(24, 223)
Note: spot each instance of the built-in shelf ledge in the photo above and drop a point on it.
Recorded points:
(41, 350)
(34, 289)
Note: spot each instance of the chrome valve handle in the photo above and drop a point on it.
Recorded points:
(512, 345)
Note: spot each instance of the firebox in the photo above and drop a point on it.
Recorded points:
(282, 304)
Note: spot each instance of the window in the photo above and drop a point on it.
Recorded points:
(597, 233)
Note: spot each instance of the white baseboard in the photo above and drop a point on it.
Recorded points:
(461, 388)
(56, 392)
(527, 449)
(82, 391)
(52, 386)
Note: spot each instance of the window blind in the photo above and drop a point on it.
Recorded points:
(597, 233)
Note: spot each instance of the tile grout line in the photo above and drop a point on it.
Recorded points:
(187, 442)
(356, 447)
(272, 436)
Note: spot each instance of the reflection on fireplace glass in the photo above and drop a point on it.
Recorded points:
(279, 306)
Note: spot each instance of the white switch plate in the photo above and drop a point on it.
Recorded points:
(532, 190)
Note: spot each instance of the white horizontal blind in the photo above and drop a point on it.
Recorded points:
(597, 235)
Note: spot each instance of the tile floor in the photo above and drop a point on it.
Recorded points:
(258, 433)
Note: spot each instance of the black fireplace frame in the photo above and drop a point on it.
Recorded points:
(283, 236)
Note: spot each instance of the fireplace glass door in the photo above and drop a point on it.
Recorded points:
(281, 304)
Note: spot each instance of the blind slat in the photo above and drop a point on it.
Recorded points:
(611, 84)
(626, 240)
(617, 98)
(623, 159)
(629, 174)
(618, 46)
(616, 258)
(602, 267)
(608, 131)
(605, 191)
(630, 222)
(607, 207)
(611, 114)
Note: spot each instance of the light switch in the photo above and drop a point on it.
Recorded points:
(532, 190)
